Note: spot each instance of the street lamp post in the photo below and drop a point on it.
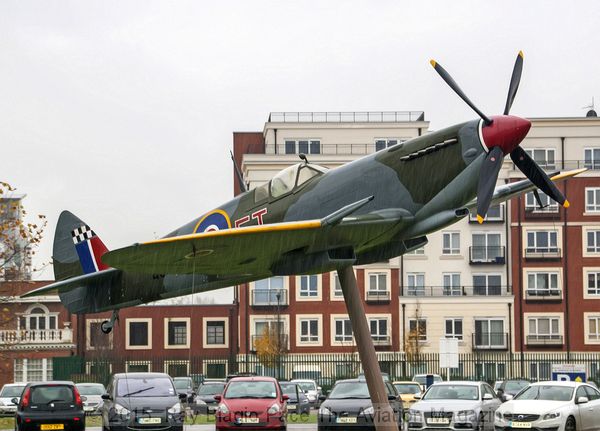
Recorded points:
(278, 296)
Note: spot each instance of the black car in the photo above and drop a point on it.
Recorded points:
(48, 406)
(349, 406)
(207, 391)
(509, 388)
(142, 401)
(185, 385)
(298, 401)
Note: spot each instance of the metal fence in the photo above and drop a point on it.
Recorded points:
(326, 368)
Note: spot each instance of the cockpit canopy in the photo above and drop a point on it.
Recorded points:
(288, 180)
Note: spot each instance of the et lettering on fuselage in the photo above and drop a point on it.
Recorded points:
(256, 215)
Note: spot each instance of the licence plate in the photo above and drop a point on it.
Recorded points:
(88, 408)
(46, 427)
(149, 420)
(519, 424)
(291, 407)
(248, 420)
(438, 421)
(346, 420)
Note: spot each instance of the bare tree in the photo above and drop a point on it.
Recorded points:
(415, 335)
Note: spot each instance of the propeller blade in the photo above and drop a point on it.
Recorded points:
(488, 176)
(453, 85)
(515, 79)
(537, 176)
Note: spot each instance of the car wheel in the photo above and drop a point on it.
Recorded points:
(570, 425)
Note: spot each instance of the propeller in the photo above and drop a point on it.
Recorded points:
(501, 135)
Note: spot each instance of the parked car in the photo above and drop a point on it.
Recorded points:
(8, 392)
(49, 406)
(509, 388)
(349, 405)
(207, 391)
(298, 401)
(565, 406)
(384, 376)
(251, 402)
(93, 393)
(311, 389)
(455, 405)
(142, 400)
(407, 391)
(422, 380)
(185, 385)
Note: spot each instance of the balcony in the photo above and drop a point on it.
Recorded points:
(269, 298)
(549, 212)
(543, 295)
(543, 253)
(544, 340)
(382, 340)
(273, 343)
(458, 291)
(33, 338)
(347, 117)
(490, 341)
(490, 255)
(378, 296)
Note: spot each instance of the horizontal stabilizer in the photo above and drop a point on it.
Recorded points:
(73, 283)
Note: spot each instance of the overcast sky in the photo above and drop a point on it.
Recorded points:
(123, 112)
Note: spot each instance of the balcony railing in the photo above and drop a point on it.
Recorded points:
(565, 165)
(490, 341)
(275, 344)
(36, 336)
(494, 255)
(347, 117)
(544, 340)
(269, 298)
(543, 294)
(382, 340)
(378, 295)
(543, 253)
(490, 290)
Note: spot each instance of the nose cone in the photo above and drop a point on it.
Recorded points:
(505, 132)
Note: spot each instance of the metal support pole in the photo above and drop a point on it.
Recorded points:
(383, 417)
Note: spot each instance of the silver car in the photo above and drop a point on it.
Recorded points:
(457, 405)
(310, 388)
(93, 393)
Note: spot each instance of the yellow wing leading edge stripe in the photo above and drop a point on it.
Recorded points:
(275, 227)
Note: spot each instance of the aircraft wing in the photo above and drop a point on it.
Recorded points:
(511, 190)
(253, 249)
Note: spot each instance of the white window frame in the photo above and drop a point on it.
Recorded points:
(148, 364)
(389, 142)
(531, 205)
(418, 320)
(186, 320)
(377, 292)
(450, 286)
(594, 163)
(169, 362)
(299, 293)
(592, 194)
(417, 253)
(45, 316)
(385, 339)
(545, 164)
(297, 141)
(553, 237)
(587, 271)
(148, 321)
(47, 369)
(285, 288)
(540, 273)
(207, 362)
(88, 336)
(413, 288)
(489, 320)
(453, 334)
(308, 318)
(594, 250)
(333, 292)
(591, 338)
(487, 276)
(453, 239)
(345, 342)
(205, 344)
(488, 255)
(489, 216)
(271, 319)
(528, 317)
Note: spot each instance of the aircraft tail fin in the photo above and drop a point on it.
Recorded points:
(77, 249)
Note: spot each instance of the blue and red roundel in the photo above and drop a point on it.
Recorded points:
(214, 220)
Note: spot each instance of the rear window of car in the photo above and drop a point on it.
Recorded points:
(408, 388)
(145, 387)
(182, 383)
(11, 391)
(91, 389)
(51, 394)
(211, 388)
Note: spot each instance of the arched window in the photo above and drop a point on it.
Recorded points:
(38, 317)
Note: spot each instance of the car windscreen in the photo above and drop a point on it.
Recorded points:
(182, 384)
(46, 395)
(452, 392)
(11, 391)
(145, 387)
(288, 388)
(407, 388)
(90, 389)
(546, 393)
(250, 389)
(349, 390)
(211, 389)
(512, 387)
(307, 386)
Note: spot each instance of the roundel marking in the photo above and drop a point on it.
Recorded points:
(213, 221)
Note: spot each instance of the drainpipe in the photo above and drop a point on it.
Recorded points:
(508, 241)
(404, 338)
(520, 277)
(566, 279)
(562, 152)
(275, 135)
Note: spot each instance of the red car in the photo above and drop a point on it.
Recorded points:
(251, 403)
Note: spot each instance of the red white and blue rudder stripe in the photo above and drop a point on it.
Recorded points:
(90, 249)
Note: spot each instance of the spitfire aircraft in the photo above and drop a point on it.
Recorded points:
(308, 219)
